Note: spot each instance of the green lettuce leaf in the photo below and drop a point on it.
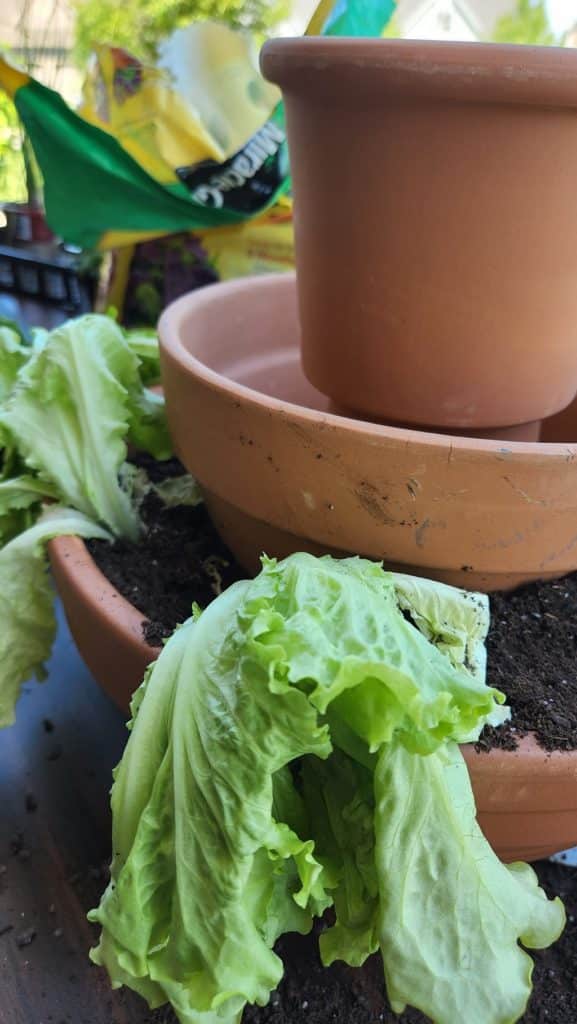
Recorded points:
(340, 804)
(26, 601)
(20, 503)
(197, 929)
(14, 327)
(144, 344)
(451, 913)
(14, 353)
(147, 426)
(74, 404)
(346, 632)
(455, 621)
(275, 766)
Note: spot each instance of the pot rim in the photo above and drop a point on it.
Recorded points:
(429, 69)
(178, 312)
(72, 557)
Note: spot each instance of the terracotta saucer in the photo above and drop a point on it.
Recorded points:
(281, 471)
(527, 800)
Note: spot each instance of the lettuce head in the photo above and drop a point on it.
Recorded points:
(294, 748)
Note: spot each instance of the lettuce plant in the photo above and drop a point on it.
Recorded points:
(295, 747)
(70, 402)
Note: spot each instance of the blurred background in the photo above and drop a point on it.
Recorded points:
(103, 58)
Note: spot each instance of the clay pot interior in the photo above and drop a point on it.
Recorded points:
(281, 472)
(434, 290)
(527, 799)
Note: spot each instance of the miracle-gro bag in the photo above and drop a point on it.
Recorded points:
(196, 143)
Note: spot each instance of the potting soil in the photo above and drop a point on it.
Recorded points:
(532, 642)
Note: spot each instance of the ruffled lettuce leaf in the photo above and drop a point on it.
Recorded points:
(455, 621)
(287, 752)
(75, 403)
(451, 914)
(26, 601)
(338, 628)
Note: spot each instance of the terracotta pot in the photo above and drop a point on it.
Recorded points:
(527, 800)
(435, 225)
(282, 473)
(106, 627)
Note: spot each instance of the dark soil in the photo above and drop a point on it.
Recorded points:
(532, 657)
(312, 994)
(179, 561)
(532, 643)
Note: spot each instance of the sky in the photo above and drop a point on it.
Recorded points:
(562, 14)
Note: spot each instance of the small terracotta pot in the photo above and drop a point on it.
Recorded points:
(281, 473)
(435, 225)
(106, 627)
(527, 800)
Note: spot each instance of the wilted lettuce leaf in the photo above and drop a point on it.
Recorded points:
(178, 490)
(26, 601)
(291, 748)
(75, 403)
(69, 403)
(340, 803)
(197, 928)
(451, 913)
(455, 621)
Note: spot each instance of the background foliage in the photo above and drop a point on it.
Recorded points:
(138, 25)
(528, 24)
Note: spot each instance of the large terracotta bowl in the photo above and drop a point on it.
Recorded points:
(527, 800)
(282, 472)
